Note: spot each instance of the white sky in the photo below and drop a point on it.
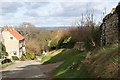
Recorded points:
(49, 13)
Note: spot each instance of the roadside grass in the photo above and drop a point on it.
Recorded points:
(103, 55)
(45, 58)
(64, 55)
(72, 68)
(100, 66)
(6, 65)
(71, 63)
(104, 63)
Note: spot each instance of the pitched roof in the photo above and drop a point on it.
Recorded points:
(12, 31)
(16, 34)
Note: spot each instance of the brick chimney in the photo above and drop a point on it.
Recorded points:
(11, 28)
(6, 28)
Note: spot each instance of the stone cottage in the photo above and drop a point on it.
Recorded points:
(110, 28)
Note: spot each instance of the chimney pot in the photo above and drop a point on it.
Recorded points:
(5, 28)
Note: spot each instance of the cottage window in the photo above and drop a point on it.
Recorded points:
(11, 37)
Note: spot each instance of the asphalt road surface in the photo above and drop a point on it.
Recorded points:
(25, 69)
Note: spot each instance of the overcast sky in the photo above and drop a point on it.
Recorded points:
(45, 13)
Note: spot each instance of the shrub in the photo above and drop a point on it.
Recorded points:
(52, 44)
(15, 58)
(63, 42)
(66, 42)
(23, 58)
(30, 55)
(6, 61)
(92, 36)
(2, 47)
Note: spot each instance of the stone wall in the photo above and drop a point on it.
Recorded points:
(111, 27)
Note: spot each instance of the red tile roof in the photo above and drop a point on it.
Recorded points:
(16, 34)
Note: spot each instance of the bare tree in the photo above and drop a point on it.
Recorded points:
(29, 30)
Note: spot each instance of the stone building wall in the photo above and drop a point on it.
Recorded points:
(111, 27)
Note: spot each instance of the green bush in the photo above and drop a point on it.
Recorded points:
(30, 55)
(52, 44)
(66, 42)
(15, 58)
(2, 47)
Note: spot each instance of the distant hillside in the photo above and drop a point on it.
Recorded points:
(53, 28)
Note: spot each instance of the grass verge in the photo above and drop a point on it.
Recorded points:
(6, 65)
(103, 62)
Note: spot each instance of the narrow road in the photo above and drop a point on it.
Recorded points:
(24, 69)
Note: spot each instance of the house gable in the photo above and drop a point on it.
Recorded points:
(16, 34)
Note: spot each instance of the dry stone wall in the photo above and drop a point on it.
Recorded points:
(111, 27)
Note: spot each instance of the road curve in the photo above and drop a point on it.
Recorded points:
(24, 69)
